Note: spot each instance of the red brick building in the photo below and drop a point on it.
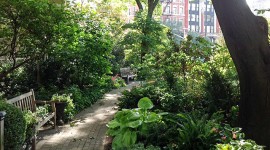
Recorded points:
(187, 16)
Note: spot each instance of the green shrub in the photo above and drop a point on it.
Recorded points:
(69, 110)
(219, 95)
(31, 120)
(163, 133)
(15, 127)
(140, 146)
(42, 111)
(131, 98)
(233, 115)
(196, 133)
(240, 145)
(84, 98)
(119, 82)
(168, 100)
(92, 95)
(45, 93)
(76, 94)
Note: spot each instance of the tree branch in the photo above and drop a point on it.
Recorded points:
(139, 4)
(4, 73)
(155, 3)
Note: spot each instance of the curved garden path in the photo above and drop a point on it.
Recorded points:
(88, 131)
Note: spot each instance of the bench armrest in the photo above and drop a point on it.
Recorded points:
(42, 102)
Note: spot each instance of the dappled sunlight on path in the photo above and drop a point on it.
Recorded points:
(88, 130)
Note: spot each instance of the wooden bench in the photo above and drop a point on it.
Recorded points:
(127, 74)
(27, 102)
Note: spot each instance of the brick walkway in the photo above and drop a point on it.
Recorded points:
(87, 131)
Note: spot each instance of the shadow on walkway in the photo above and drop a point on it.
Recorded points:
(88, 130)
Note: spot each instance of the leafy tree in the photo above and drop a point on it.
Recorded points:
(114, 20)
(155, 37)
(82, 51)
(27, 31)
(246, 36)
(146, 26)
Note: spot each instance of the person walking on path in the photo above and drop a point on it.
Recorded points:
(88, 131)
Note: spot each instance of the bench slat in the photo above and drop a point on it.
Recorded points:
(50, 116)
(29, 104)
(18, 98)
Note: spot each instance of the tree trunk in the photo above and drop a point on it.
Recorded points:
(152, 4)
(246, 38)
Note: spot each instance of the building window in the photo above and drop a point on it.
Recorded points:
(129, 11)
(167, 9)
(174, 21)
(197, 7)
(197, 28)
(211, 29)
(192, 6)
(175, 10)
(192, 17)
(181, 10)
(209, 18)
(180, 22)
(193, 27)
(209, 8)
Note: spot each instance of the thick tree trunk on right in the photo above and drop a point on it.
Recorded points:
(246, 37)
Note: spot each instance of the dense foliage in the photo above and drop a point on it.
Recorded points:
(190, 91)
(63, 49)
(27, 32)
(15, 126)
(189, 81)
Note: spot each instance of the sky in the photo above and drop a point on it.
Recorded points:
(253, 4)
(259, 4)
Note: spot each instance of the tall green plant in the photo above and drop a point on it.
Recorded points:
(129, 123)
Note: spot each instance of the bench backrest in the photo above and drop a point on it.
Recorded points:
(24, 102)
(125, 72)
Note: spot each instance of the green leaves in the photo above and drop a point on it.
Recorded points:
(134, 124)
(145, 103)
(29, 27)
(152, 117)
(261, 11)
(113, 124)
(130, 122)
(240, 144)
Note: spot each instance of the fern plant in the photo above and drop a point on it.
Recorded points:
(196, 133)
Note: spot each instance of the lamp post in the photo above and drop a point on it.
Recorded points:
(2, 117)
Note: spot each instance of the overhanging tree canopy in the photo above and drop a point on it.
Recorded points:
(27, 31)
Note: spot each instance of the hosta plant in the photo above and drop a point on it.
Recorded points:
(129, 123)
